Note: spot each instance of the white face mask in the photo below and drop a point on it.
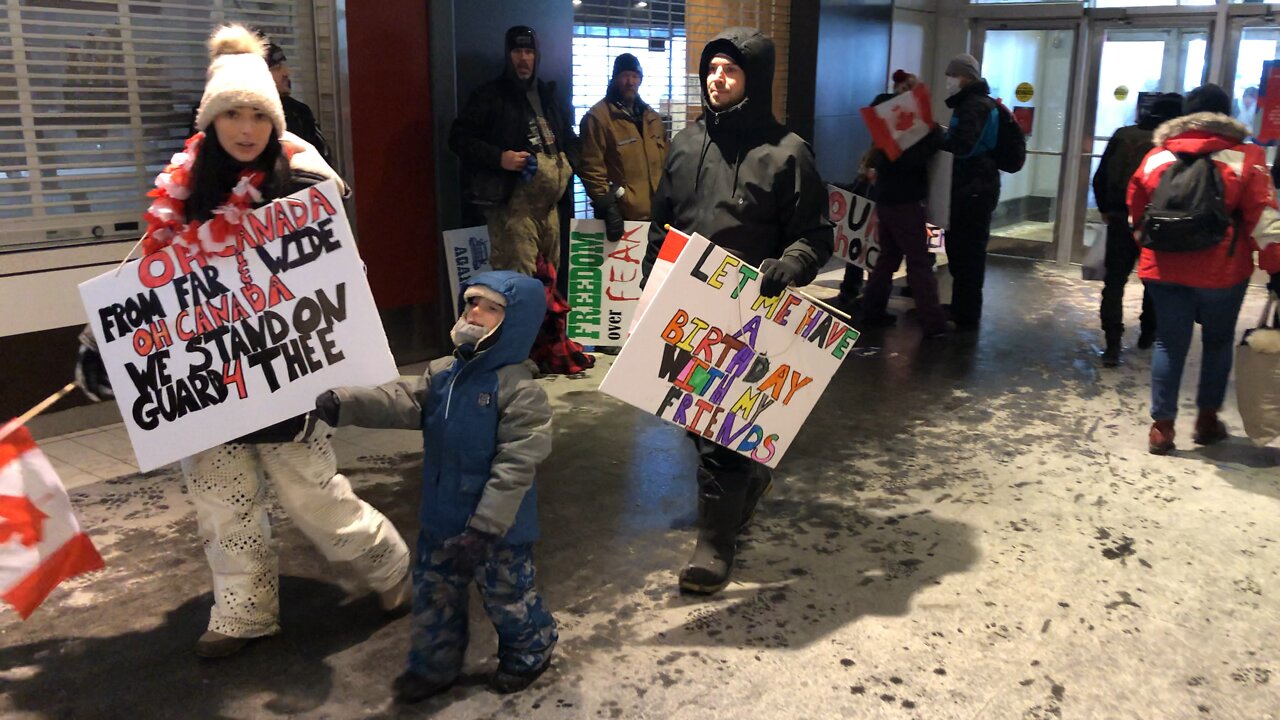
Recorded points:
(465, 333)
(953, 85)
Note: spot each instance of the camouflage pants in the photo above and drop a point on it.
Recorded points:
(529, 223)
(526, 631)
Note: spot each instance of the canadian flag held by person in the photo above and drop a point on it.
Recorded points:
(41, 544)
(899, 123)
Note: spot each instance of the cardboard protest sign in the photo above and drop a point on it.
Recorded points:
(466, 255)
(901, 122)
(712, 356)
(854, 218)
(604, 281)
(204, 349)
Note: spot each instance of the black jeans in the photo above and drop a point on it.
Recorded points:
(967, 240)
(1122, 254)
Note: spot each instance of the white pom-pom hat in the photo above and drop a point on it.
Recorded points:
(238, 75)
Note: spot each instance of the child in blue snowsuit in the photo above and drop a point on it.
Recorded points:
(485, 426)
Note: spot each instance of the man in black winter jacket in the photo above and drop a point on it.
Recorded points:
(1124, 154)
(742, 180)
(975, 185)
(518, 148)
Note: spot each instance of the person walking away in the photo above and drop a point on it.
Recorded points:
(1202, 205)
(1120, 160)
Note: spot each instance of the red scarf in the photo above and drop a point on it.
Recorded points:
(167, 217)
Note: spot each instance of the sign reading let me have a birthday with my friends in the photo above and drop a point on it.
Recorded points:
(714, 357)
(203, 349)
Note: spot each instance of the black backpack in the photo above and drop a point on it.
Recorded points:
(1187, 212)
(1010, 152)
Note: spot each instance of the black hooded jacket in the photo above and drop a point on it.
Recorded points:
(974, 179)
(494, 120)
(741, 179)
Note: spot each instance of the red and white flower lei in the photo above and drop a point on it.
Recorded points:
(167, 218)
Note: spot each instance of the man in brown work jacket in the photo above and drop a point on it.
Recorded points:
(624, 145)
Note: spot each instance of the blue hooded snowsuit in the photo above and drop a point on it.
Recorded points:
(485, 426)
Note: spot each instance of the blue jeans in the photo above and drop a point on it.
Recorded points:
(1179, 307)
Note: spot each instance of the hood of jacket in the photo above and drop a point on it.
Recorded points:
(526, 308)
(1202, 132)
(978, 87)
(754, 53)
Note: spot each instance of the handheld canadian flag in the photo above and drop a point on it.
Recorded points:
(901, 122)
(41, 543)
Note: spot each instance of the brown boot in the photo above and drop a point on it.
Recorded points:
(1209, 429)
(1160, 439)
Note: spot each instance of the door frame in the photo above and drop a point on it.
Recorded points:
(1068, 192)
(1087, 108)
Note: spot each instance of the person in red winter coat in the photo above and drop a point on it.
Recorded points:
(1206, 285)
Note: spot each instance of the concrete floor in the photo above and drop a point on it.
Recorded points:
(971, 529)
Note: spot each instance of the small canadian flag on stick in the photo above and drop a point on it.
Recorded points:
(41, 543)
(899, 123)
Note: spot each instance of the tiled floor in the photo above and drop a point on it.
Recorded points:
(86, 457)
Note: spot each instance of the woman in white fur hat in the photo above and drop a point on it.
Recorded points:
(242, 159)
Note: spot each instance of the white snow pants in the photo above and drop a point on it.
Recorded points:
(227, 489)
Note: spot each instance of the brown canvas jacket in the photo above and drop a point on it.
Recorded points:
(616, 153)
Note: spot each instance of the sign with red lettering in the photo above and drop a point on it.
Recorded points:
(711, 355)
(604, 281)
(854, 218)
(204, 349)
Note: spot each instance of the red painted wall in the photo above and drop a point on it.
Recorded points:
(394, 178)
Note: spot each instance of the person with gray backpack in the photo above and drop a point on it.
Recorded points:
(1201, 203)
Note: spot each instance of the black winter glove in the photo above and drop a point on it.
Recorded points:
(777, 275)
(327, 407)
(607, 210)
(319, 422)
(469, 548)
(91, 373)
(1274, 284)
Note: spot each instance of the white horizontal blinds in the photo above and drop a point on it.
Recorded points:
(668, 38)
(324, 92)
(94, 98)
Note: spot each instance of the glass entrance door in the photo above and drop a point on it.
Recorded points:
(1132, 64)
(1030, 71)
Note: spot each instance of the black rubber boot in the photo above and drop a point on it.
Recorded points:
(720, 512)
(761, 485)
(1111, 355)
